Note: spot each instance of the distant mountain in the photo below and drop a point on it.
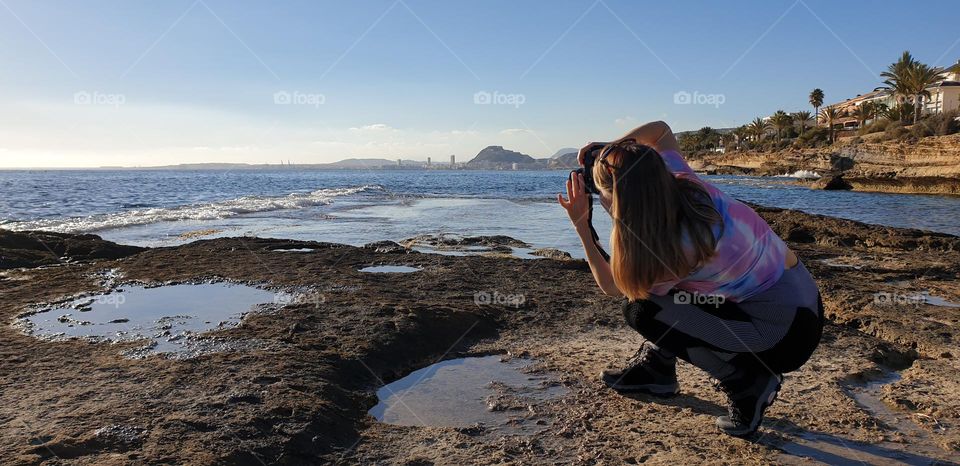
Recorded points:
(498, 157)
(361, 163)
(564, 151)
(568, 160)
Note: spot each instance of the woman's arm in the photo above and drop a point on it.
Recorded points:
(578, 209)
(655, 134)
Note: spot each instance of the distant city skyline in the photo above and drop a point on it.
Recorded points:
(112, 83)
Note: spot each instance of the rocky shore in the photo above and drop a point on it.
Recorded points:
(301, 394)
(929, 166)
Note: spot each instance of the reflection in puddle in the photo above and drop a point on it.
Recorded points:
(170, 317)
(466, 392)
(390, 269)
(938, 301)
(293, 250)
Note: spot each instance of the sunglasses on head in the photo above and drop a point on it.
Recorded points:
(602, 158)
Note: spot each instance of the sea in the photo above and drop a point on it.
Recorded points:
(171, 207)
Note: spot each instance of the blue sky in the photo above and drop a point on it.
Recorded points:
(145, 83)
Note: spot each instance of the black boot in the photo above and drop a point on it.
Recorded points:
(648, 371)
(749, 395)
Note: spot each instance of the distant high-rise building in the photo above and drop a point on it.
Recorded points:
(428, 162)
(453, 161)
(399, 162)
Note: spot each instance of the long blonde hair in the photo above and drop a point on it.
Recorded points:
(654, 213)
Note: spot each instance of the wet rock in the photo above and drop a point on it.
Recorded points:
(36, 248)
(386, 247)
(833, 183)
(552, 253)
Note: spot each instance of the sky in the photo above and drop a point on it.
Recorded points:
(143, 83)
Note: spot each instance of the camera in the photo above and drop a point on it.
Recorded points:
(586, 170)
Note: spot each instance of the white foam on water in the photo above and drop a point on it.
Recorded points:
(802, 174)
(208, 211)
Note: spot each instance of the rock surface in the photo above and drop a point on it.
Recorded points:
(303, 396)
(36, 248)
(931, 165)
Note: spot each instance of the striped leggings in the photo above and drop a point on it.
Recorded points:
(776, 330)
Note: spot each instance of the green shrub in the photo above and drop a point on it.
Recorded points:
(922, 129)
(877, 126)
(945, 123)
(814, 137)
(895, 131)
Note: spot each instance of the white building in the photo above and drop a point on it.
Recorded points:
(944, 96)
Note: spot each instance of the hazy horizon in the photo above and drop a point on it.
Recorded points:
(110, 83)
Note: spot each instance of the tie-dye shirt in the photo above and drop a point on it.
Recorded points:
(749, 256)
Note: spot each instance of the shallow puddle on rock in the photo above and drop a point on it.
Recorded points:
(293, 250)
(918, 448)
(498, 395)
(390, 269)
(939, 301)
(169, 317)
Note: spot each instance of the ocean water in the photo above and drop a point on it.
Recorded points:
(168, 207)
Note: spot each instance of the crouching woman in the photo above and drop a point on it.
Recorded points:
(706, 279)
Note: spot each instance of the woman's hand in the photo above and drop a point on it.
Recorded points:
(577, 203)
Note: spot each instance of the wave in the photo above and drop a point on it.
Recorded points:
(802, 174)
(208, 211)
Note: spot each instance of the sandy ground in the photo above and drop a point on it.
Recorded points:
(300, 392)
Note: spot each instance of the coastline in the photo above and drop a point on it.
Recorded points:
(929, 166)
(302, 394)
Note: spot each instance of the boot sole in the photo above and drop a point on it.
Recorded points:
(761, 409)
(661, 390)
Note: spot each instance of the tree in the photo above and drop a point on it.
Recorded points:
(864, 112)
(802, 118)
(758, 128)
(740, 133)
(829, 115)
(780, 121)
(816, 100)
(899, 113)
(908, 79)
(922, 76)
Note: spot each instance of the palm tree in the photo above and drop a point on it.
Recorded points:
(816, 99)
(864, 112)
(908, 79)
(829, 115)
(802, 117)
(921, 77)
(899, 113)
(758, 127)
(740, 133)
(780, 121)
